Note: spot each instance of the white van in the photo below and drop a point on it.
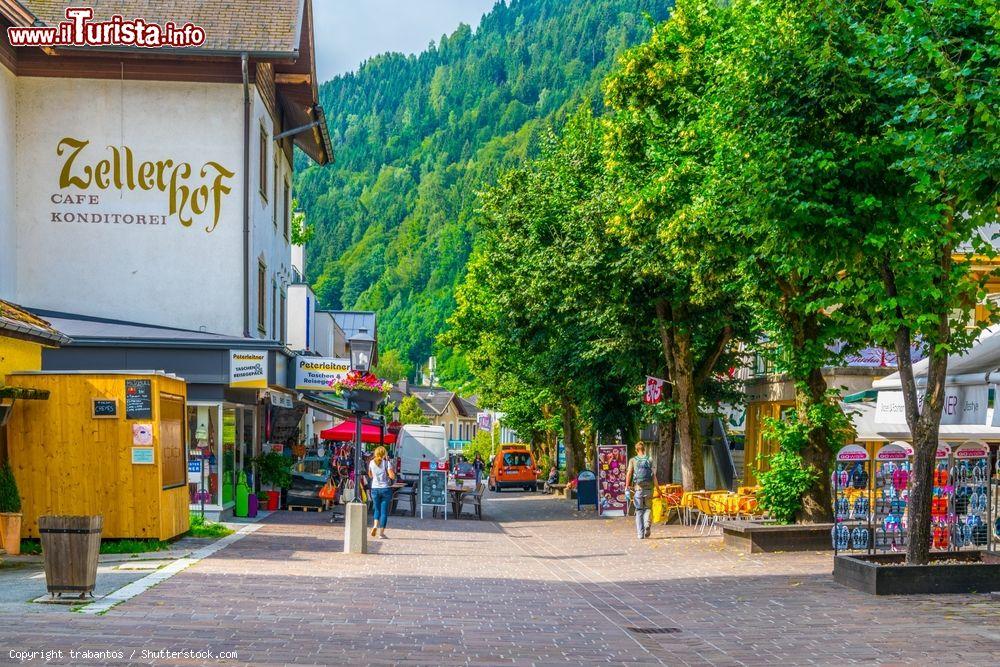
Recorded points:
(419, 443)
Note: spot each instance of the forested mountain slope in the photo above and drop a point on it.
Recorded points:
(415, 138)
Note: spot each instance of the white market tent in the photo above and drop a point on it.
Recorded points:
(978, 366)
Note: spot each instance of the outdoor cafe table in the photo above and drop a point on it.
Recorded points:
(457, 493)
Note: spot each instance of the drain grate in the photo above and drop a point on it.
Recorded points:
(654, 631)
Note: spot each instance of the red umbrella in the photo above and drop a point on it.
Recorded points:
(346, 432)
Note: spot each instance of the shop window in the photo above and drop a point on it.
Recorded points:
(262, 297)
(229, 453)
(262, 167)
(203, 429)
(172, 448)
(286, 203)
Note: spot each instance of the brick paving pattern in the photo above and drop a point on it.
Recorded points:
(537, 584)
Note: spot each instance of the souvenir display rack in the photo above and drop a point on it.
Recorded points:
(995, 516)
(852, 527)
(891, 495)
(942, 501)
(871, 499)
(971, 500)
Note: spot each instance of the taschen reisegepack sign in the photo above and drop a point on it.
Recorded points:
(316, 373)
(248, 369)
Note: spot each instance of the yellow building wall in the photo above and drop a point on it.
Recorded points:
(19, 355)
(68, 462)
(757, 448)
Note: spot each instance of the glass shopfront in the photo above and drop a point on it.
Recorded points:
(223, 442)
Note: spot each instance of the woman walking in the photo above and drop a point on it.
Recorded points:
(382, 476)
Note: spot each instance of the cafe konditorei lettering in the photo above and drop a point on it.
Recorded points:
(189, 196)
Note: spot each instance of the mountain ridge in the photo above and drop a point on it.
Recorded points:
(416, 137)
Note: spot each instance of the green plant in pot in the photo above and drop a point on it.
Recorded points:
(10, 511)
(275, 473)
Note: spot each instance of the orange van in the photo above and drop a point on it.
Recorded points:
(513, 467)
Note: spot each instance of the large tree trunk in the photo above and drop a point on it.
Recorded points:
(551, 439)
(678, 354)
(664, 453)
(569, 438)
(816, 501)
(924, 425)
(688, 420)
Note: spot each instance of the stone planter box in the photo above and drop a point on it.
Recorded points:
(886, 574)
(754, 537)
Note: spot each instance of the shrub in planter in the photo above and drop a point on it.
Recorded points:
(275, 471)
(790, 477)
(787, 477)
(10, 511)
(783, 484)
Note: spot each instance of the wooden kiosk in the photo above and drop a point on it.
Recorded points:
(110, 443)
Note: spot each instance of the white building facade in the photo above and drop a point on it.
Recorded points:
(145, 204)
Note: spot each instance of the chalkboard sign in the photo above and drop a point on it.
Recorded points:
(105, 408)
(138, 399)
(433, 488)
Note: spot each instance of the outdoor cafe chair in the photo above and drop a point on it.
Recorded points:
(410, 493)
(692, 511)
(671, 502)
(475, 499)
(749, 509)
(709, 511)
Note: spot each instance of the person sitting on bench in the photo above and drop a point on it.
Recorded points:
(552, 480)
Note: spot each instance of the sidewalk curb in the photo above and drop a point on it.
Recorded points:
(142, 585)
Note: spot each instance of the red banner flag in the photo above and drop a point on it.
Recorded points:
(654, 390)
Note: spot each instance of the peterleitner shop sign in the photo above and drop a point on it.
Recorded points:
(190, 193)
(316, 373)
(248, 369)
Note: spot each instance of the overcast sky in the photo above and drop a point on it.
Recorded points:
(350, 31)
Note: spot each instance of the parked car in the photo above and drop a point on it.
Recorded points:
(418, 443)
(514, 467)
(464, 471)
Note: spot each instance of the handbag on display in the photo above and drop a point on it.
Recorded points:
(328, 492)
(349, 492)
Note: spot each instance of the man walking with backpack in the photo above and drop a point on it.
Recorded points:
(640, 479)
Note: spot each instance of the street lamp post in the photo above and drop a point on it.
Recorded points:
(361, 347)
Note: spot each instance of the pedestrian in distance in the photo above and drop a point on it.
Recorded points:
(382, 475)
(640, 480)
(478, 465)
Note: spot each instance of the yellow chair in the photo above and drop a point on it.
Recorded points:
(668, 502)
(709, 510)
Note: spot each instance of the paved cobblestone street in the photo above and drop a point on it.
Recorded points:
(536, 583)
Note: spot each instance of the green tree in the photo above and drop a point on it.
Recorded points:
(410, 411)
(482, 443)
(417, 137)
(670, 265)
(800, 170)
(937, 63)
(391, 366)
(522, 317)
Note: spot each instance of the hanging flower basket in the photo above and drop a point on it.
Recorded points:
(362, 391)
